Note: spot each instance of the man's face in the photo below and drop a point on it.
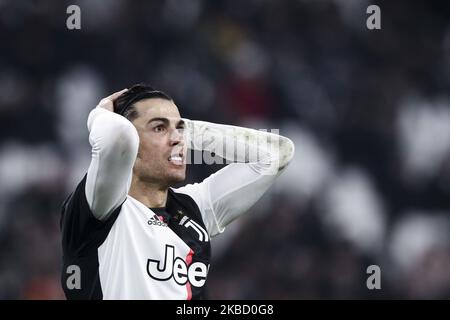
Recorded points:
(162, 150)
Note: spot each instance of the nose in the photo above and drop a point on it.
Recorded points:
(176, 138)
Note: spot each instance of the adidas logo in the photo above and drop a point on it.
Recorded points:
(156, 221)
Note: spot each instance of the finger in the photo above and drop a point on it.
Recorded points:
(115, 95)
(105, 102)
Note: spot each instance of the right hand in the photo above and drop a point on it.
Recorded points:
(108, 102)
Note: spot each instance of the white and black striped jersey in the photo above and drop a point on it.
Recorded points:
(138, 252)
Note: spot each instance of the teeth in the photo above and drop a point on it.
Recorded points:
(175, 158)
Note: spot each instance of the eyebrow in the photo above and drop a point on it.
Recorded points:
(166, 121)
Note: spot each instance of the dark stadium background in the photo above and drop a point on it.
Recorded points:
(369, 112)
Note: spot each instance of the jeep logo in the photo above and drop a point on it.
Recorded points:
(177, 268)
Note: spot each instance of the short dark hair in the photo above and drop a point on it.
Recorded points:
(124, 104)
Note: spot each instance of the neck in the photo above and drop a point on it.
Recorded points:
(150, 194)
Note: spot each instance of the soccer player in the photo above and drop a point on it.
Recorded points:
(126, 230)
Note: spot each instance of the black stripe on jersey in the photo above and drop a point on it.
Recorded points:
(82, 234)
(178, 207)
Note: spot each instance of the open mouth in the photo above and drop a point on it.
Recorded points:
(176, 159)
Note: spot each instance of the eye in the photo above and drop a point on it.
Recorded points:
(159, 128)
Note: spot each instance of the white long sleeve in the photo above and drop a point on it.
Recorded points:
(115, 143)
(231, 191)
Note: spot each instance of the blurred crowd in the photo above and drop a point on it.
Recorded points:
(368, 111)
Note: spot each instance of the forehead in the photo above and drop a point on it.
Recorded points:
(157, 108)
